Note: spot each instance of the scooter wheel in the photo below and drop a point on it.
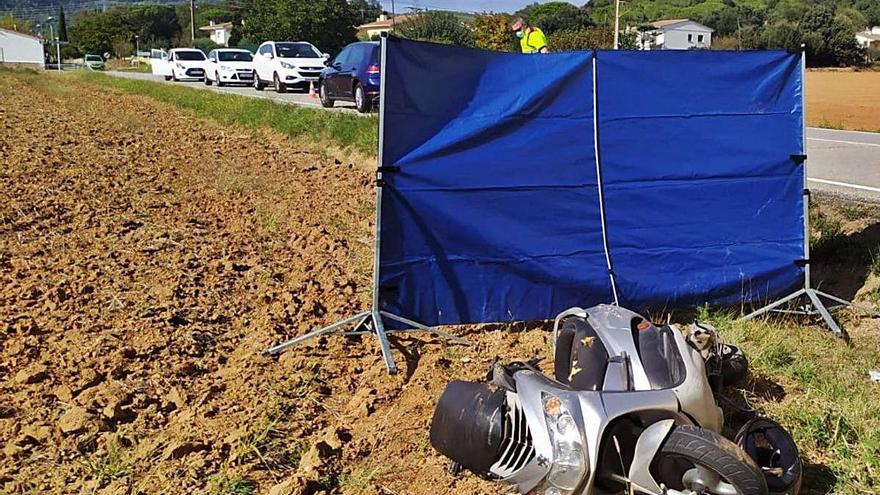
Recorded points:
(695, 460)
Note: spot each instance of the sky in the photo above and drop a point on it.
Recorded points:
(403, 6)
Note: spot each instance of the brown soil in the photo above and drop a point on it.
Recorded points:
(844, 100)
(146, 258)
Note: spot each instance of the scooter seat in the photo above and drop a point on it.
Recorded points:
(581, 359)
(583, 362)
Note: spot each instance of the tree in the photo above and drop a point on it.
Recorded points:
(556, 16)
(329, 24)
(871, 10)
(581, 39)
(12, 23)
(439, 27)
(842, 45)
(62, 25)
(181, 12)
(99, 32)
(217, 13)
(365, 10)
(95, 32)
(492, 32)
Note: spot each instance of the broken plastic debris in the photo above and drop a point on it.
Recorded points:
(875, 375)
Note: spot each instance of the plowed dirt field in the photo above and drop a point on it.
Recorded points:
(146, 258)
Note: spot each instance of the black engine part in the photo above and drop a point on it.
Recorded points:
(467, 425)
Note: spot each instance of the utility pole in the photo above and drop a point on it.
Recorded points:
(58, 52)
(616, 24)
(192, 19)
(137, 48)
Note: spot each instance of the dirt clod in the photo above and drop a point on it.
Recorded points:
(179, 450)
(32, 374)
(75, 420)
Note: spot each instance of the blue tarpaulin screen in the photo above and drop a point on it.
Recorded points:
(492, 210)
(702, 199)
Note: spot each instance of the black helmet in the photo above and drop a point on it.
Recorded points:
(775, 452)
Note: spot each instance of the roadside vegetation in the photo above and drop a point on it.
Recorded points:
(816, 386)
(347, 131)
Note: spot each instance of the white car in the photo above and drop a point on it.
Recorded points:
(229, 66)
(287, 63)
(181, 64)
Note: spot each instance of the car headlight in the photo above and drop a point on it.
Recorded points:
(287, 66)
(226, 68)
(569, 462)
(180, 66)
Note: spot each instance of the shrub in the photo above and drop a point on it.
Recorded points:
(439, 27)
(205, 44)
(492, 32)
(581, 39)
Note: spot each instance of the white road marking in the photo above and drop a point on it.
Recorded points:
(845, 184)
(822, 129)
(857, 143)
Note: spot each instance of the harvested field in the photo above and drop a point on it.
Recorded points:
(844, 100)
(148, 255)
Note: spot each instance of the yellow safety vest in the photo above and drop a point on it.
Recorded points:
(533, 40)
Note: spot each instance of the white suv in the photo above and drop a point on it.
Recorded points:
(181, 64)
(287, 63)
(229, 66)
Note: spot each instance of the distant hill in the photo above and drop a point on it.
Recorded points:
(39, 10)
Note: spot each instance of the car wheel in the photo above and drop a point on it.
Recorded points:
(279, 87)
(326, 102)
(167, 78)
(174, 76)
(220, 83)
(207, 80)
(258, 85)
(360, 99)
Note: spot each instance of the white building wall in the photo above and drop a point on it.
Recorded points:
(677, 38)
(20, 49)
(221, 36)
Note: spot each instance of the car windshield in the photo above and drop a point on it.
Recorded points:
(190, 55)
(93, 58)
(296, 50)
(235, 56)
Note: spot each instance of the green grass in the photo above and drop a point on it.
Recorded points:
(827, 401)
(827, 124)
(358, 481)
(827, 235)
(225, 483)
(874, 265)
(108, 465)
(345, 130)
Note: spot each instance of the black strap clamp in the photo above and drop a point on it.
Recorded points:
(799, 159)
(802, 263)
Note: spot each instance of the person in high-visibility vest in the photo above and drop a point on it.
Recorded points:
(531, 39)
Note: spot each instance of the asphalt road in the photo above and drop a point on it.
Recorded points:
(842, 162)
(293, 97)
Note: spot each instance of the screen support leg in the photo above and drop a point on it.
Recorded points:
(371, 321)
(368, 322)
(810, 298)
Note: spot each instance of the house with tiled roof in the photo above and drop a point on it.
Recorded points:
(675, 34)
(383, 24)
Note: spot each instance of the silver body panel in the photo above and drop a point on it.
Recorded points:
(690, 402)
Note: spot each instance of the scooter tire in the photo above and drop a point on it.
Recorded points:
(711, 450)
